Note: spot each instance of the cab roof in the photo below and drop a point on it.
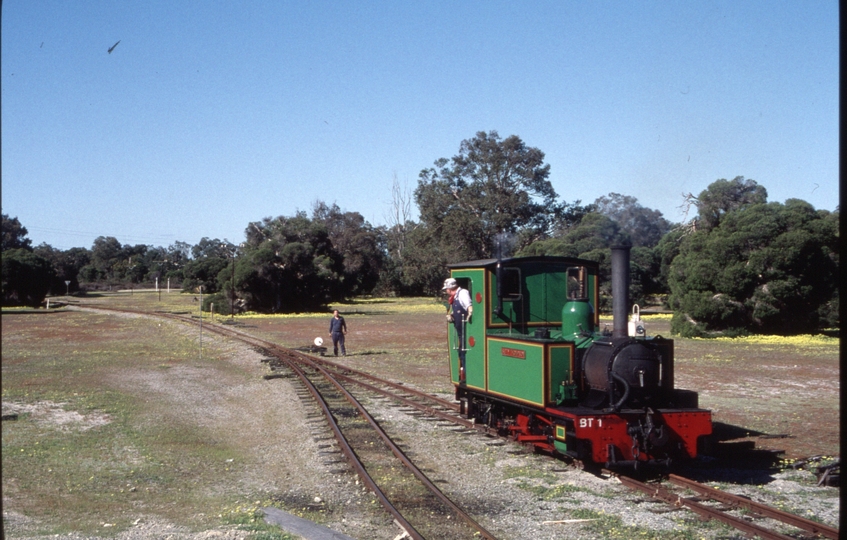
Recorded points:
(520, 261)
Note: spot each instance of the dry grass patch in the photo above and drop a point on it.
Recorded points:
(119, 419)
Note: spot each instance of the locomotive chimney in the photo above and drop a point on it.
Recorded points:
(620, 290)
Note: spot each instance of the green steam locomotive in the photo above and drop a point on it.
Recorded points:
(538, 367)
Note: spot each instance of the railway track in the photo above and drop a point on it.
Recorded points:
(420, 401)
(728, 502)
(358, 448)
(325, 381)
(411, 498)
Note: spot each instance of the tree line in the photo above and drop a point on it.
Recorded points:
(740, 264)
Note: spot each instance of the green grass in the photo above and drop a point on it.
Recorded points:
(610, 526)
(531, 470)
(554, 492)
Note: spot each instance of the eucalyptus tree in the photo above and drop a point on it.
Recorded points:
(288, 264)
(210, 257)
(492, 186)
(357, 242)
(107, 260)
(112, 261)
(723, 196)
(13, 234)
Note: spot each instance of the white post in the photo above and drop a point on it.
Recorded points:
(157, 284)
(169, 285)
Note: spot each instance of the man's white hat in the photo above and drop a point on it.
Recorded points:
(449, 283)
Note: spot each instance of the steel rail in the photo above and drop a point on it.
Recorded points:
(402, 456)
(443, 402)
(463, 422)
(410, 402)
(671, 498)
(349, 452)
(755, 507)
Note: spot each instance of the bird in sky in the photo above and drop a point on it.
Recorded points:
(112, 48)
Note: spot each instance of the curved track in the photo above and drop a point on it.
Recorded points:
(314, 376)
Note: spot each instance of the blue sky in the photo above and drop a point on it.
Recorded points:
(209, 115)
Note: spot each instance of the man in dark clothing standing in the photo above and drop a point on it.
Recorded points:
(337, 328)
(459, 313)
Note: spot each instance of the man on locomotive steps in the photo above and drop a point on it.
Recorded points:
(337, 329)
(459, 313)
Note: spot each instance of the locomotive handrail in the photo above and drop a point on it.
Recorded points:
(617, 405)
